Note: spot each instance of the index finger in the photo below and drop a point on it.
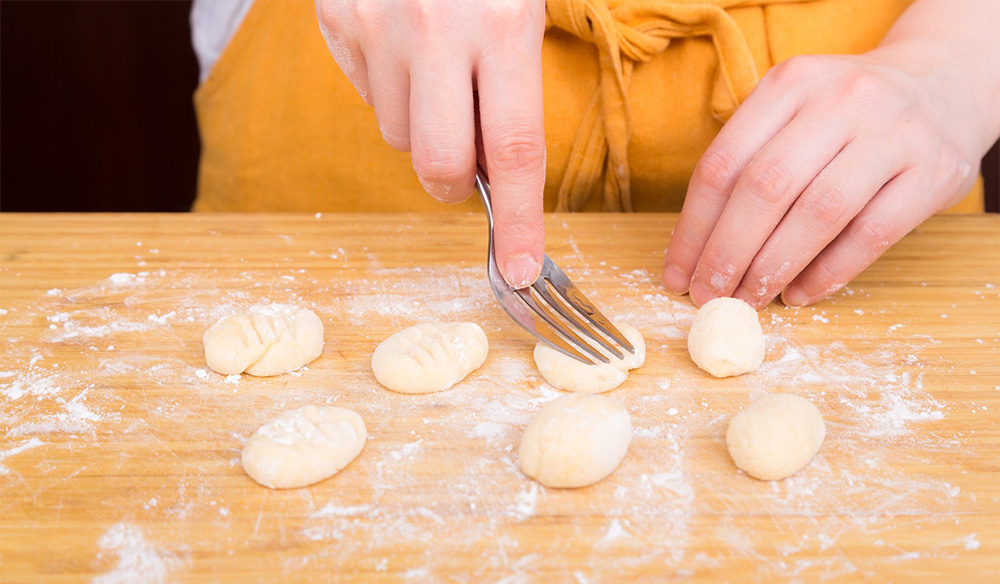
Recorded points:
(512, 122)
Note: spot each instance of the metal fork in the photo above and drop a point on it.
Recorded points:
(537, 313)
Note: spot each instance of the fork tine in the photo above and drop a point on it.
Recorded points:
(537, 320)
(564, 286)
(528, 318)
(542, 290)
(545, 333)
(554, 326)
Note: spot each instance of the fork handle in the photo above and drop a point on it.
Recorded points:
(483, 188)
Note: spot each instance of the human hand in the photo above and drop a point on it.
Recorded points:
(830, 161)
(419, 63)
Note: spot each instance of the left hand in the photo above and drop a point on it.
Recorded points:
(831, 160)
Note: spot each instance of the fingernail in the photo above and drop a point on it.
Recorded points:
(521, 270)
(675, 280)
(794, 296)
(700, 294)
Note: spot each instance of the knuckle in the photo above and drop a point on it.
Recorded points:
(823, 278)
(863, 86)
(791, 70)
(517, 227)
(761, 288)
(442, 165)
(518, 152)
(684, 241)
(522, 229)
(827, 206)
(717, 169)
(952, 168)
(514, 12)
(768, 180)
(875, 232)
(425, 15)
(520, 210)
(368, 13)
(716, 272)
(952, 176)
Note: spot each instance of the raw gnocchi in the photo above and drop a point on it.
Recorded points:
(571, 375)
(264, 341)
(429, 357)
(303, 446)
(726, 338)
(575, 441)
(776, 436)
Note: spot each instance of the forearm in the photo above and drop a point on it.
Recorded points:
(953, 45)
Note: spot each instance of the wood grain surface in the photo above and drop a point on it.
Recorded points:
(119, 448)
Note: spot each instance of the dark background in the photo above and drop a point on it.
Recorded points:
(96, 110)
(96, 106)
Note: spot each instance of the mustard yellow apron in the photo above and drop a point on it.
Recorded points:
(634, 93)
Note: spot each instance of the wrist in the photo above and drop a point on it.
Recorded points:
(960, 94)
(951, 53)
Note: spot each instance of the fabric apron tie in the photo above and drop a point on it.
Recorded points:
(634, 32)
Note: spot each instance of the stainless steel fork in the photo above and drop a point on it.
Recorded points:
(562, 320)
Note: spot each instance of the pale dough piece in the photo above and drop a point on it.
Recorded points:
(726, 338)
(304, 446)
(775, 436)
(429, 357)
(575, 441)
(264, 341)
(571, 375)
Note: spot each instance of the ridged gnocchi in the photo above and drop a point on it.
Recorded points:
(569, 374)
(264, 341)
(429, 357)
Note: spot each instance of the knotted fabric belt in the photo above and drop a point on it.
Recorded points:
(628, 33)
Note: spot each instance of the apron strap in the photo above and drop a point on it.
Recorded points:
(634, 32)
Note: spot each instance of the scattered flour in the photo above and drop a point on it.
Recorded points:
(615, 531)
(489, 430)
(526, 502)
(970, 542)
(651, 505)
(26, 445)
(138, 561)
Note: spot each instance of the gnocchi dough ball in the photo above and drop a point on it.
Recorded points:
(726, 338)
(304, 446)
(575, 441)
(264, 341)
(571, 375)
(775, 436)
(429, 357)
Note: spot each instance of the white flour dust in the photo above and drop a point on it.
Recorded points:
(137, 561)
(25, 445)
(139, 377)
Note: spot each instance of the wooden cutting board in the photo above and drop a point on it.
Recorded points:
(119, 449)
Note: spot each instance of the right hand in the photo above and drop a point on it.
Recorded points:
(420, 64)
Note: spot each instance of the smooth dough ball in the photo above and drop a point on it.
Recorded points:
(264, 341)
(776, 436)
(304, 446)
(567, 373)
(575, 441)
(726, 338)
(429, 357)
